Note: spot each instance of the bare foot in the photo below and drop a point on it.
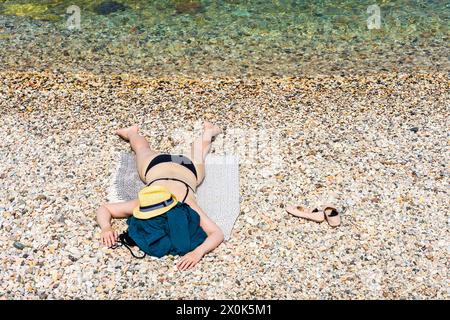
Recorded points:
(211, 130)
(123, 133)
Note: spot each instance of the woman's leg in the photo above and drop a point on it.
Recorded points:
(140, 146)
(201, 147)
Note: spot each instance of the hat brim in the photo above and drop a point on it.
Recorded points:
(154, 213)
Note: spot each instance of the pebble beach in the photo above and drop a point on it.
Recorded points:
(325, 101)
(374, 144)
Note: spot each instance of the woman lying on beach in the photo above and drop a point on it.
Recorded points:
(158, 223)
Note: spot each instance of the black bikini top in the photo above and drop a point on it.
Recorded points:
(174, 179)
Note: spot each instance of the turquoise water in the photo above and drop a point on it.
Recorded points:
(226, 38)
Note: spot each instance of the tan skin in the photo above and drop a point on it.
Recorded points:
(144, 155)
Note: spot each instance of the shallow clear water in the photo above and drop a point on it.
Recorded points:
(226, 38)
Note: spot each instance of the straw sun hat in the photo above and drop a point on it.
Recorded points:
(154, 201)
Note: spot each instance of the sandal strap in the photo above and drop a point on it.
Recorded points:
(333, 212)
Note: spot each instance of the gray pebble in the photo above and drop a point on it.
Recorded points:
(18, 245)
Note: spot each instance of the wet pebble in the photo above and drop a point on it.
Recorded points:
(108, 7)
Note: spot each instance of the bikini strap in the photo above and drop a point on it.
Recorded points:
(174, 179)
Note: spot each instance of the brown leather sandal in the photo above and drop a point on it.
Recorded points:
(315, 214)
(331, 215)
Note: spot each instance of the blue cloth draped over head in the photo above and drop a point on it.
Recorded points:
(175, 232)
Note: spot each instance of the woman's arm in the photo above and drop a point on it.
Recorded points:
(215, 237)
(108, 211)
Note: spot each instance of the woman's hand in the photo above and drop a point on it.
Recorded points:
(189, 260)
(108, 211)
(109, 237)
